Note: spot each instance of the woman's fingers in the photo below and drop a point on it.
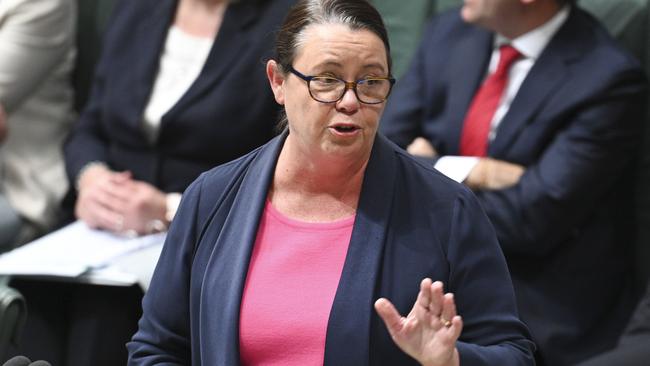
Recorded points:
(421, 306)
(449, 335)
(456, 327)
(98, 216)
(107, 196)
(448, 309)
(391, 317)
(121, 177)
(120, 192)
(436, 298)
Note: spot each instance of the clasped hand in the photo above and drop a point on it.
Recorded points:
(430, 330)
(114, 201)
(487, 174)
(492, 174)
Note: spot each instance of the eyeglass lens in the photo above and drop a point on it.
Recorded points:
(327, 89)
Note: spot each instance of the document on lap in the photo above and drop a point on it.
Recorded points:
(79, 253)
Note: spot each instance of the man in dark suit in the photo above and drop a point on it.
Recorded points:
(534, 106)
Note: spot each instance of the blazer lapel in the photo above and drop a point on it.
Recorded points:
(464, 79)
(348, 329)
(148, 42)
(548, 72)
(228, 264)
(231, 39)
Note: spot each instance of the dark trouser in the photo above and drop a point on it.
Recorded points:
(70, 324)
(634, 346)
(629, 354)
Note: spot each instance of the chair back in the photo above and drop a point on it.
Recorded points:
(13, 314)
(91, 24)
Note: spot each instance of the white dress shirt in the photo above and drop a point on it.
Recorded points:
(181, 63)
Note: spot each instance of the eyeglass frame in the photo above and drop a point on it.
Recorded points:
(348, 85)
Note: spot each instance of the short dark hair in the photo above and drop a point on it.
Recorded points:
(357, 14)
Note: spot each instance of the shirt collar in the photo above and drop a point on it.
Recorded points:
(532, 43)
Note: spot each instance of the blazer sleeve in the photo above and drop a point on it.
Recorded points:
(34, 37)
(492, 332)
(164, 331)
(88, 142)
(575, 171)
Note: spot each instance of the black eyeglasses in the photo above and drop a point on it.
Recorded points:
(328, 89)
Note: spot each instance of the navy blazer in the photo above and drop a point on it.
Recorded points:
(566, 227)
(411, 223)
(228, 111)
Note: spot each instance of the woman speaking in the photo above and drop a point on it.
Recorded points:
(307, 250)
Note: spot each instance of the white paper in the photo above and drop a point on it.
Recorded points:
(456, 167)
(77, 251)
(134, 267)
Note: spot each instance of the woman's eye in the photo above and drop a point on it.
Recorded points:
(327, 80)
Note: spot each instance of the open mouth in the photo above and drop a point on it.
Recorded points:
(345, 129)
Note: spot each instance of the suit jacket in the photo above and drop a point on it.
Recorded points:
(228, 111)
(191, 311)
(37, 56)
(566, 227)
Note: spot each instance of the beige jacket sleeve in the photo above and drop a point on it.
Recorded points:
(37, 49)
(35, 35)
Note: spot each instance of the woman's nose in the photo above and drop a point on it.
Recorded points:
(349, 103)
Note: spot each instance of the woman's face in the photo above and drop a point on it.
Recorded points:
(345, 128)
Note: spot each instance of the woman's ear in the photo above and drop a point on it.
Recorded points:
(276, 79)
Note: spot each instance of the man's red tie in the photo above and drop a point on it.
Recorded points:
(474, 139)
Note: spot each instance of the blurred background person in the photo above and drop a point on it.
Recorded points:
(277, 258)
(36, 97)
(179, 88)
(537, 109)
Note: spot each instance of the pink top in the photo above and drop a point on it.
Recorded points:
(292, 278)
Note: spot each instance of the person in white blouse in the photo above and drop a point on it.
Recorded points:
(36, 60)
(189, 117)
(179, 88)
(116, 201)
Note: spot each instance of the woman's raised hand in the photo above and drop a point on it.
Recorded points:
(429, 332)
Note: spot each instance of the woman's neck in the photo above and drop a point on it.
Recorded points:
(316, 188)
(201, 18)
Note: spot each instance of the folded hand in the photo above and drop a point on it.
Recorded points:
(115, 202)
(492, 174)
(422, 147)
